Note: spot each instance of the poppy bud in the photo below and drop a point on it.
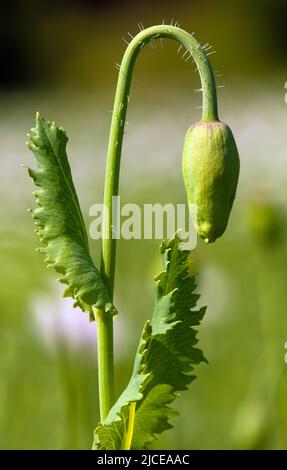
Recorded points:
(210, 171)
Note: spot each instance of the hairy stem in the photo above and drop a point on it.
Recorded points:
(209, 113)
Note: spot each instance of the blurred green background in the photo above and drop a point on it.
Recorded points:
(58, 58)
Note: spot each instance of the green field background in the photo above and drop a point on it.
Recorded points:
(59, 58)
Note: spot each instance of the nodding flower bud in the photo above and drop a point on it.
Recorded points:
(210, 171)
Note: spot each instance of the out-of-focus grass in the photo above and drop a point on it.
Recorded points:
(48, 394)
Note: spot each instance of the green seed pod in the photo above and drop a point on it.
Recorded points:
(210, 171)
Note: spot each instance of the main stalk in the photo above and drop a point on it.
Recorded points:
(108, 260)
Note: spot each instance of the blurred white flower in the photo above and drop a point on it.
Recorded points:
(55, 321)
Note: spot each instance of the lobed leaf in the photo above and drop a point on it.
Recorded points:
(59, 221)
(164, 361)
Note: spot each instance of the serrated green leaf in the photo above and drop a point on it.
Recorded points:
(164, 360)
(59, 221)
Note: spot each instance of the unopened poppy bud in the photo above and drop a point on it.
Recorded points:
(210, 171)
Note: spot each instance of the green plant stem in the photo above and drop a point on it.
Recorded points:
(105, 361)
(209, 113)
(130, 428)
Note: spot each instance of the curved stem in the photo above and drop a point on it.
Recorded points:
(209, 113)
